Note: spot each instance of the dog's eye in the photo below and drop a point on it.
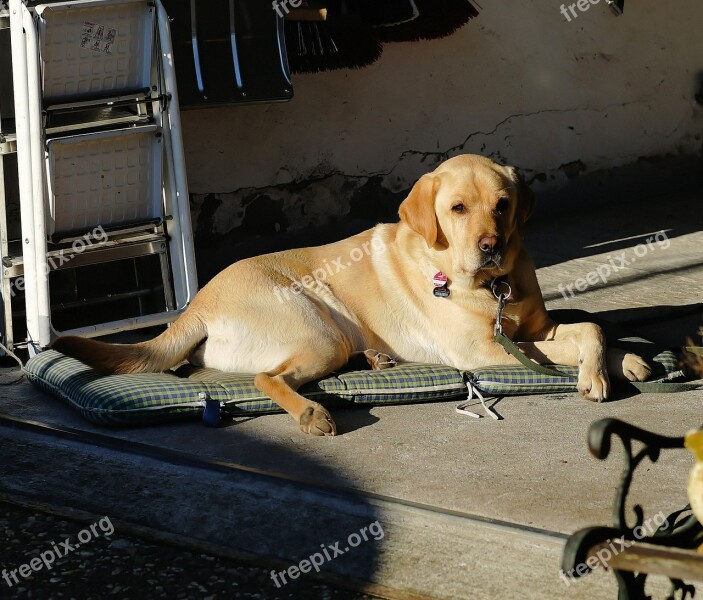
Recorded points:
(502, 205)
(459, 208)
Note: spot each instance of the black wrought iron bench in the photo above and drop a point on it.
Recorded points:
(634, 550)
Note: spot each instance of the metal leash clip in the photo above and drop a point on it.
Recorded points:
(617, 6)
(496, 284)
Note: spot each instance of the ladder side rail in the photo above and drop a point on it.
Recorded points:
(7, 290)
(174, 142)
(39, 199)
(24, 167)
(172, 222)
(173, 227)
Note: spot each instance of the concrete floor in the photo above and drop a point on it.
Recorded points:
(469, 508)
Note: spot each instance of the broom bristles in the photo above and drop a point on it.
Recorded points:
(325, 46)
(436, 20)
(343, 41)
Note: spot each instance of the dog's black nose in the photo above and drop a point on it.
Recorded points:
(490, 244)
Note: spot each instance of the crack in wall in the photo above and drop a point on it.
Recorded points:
(443, 154)
(325, 198)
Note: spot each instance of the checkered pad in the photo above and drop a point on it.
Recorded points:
(509, 380)
(161, 397)
(149, 398)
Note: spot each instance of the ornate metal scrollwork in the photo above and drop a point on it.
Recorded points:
(681, 529)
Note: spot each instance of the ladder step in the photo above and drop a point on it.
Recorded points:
(125, 324)
(99, 114)
(142, 95)
(8, 143)
(102, 300)
(94, 49)
(65, 258)
(116, 232)
(108, 177)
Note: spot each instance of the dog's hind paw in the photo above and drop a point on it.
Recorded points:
(315, 420)
(378, 360)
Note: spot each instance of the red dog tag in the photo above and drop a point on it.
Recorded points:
(440, 279)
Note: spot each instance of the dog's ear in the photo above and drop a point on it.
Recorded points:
(526, 198)
(418, 209)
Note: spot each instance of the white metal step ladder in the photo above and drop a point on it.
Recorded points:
(100, 160)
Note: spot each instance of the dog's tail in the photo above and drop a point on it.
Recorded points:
(159, 354)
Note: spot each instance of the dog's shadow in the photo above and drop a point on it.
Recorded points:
(621, 390)
(353, 418)
(622, 327)
(347, 419)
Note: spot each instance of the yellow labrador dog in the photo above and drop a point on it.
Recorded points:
(418, 290)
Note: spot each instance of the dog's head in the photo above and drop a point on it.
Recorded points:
(475, 209)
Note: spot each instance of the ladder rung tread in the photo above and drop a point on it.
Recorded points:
(66, 257)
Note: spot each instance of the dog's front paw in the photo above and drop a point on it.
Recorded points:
(315, 420)
(593, 384)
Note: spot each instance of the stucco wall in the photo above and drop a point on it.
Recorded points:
(519, 83)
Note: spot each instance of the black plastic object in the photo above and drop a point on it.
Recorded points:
(212, 414)
(228, 52)
(617, 6)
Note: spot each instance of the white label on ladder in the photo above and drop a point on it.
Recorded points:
(97, 37)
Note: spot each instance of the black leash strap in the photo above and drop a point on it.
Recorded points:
(661, 386)
(512, 348)
(502, 291)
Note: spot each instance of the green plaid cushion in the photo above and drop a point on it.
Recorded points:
(519, 380)
(507, 381)
(407, 382)
(118, 399)
(161, 397)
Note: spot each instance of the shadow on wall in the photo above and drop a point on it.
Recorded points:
(230, 227)
(591, 214)
(617, 208)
